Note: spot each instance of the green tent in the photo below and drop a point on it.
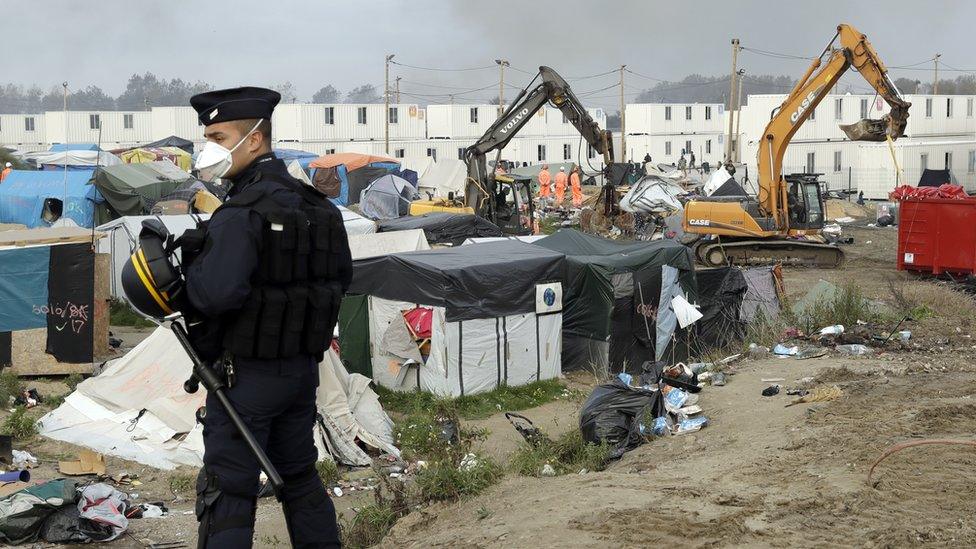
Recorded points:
(132, 189)
(611, 291)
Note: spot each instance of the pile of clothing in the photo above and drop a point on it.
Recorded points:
(61, 511)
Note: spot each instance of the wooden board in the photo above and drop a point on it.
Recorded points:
(49, 235)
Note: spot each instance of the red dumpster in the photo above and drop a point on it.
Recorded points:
(937, 235)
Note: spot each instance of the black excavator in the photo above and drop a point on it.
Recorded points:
(506, 200)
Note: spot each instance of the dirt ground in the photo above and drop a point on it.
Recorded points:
(760, 475)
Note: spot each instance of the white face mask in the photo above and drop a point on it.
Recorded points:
(215, 160)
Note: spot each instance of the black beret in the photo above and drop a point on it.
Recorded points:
(234, 104)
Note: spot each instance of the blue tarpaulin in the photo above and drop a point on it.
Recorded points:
(61, 147)
(22, 196)
(304, 158)
(23, 288)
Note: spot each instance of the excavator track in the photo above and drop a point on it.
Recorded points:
(768, 251)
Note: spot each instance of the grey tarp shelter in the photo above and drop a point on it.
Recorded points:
(604, 312)
(495, 310)
(132, 189)
(443, 227)
(171, 141)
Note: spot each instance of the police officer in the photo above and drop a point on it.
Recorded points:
(266, 282)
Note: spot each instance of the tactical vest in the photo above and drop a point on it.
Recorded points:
(294, 302)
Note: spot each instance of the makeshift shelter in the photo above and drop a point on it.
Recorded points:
(532, 172)
(444, 177)
(48, 283)
(304, 158)
(182, 159)
(443, 227)
(762, 298)
(354, 312)
(122, 234)
(388, 197)
(172, 141)
(355, 223)
(488, 315)
(73, 159)
(612, 299)
(652, 194)
(343, 176)
(136, 409)
(720, 295)
(42, 198)
(716, 179)
(133, 189)
(61, 147)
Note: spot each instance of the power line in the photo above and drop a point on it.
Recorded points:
(777, 55)
(441, 69)
(913, 64)
(440, 86)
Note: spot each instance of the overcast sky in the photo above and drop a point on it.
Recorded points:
(343, 42)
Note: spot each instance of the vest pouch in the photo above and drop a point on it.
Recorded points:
(321, 315)
(240, 337)
(303, 247)
(322, 224)
(271, 322)
(291, 336)
(280, 240)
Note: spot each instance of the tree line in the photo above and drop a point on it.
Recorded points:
(144, 91)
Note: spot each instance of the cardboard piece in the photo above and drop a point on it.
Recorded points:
(8, 488)
(89, 463)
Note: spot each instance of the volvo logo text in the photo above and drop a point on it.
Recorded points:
(511, 124)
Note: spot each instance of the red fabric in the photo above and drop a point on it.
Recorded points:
(944, 191)
(419, 320)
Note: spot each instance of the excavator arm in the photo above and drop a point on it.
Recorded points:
(553, 89)
(854, 51)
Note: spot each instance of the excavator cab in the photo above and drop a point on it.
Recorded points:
(805, 201)
(513, 204)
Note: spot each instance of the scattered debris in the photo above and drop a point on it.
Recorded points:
(772, 390)
(782, 350)
(854, 349)
(820, 394)
(88, 463)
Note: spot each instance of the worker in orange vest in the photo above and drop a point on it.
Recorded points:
(560, 186)
(6, 171)
(545, 185)
(574, 183)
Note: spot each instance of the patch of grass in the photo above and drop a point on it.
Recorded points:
(20, 424)
(55, 401)
(372, 522)
(568, 454)
(445, 480)
(328, 471)
(483, 513)
(846, 306)
(10, 387)
(549, 225)
(368, 527)
(182, 484)
(476, 406)
(72, 381)
(121, 314)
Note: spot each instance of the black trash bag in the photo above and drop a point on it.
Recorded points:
(613, 413)
(63, 527)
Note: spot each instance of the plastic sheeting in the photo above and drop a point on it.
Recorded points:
(761, 297)
(667, 321)
(443, 177)
(485, 281)
(715, 180)
(613, 413)
(74, 158)
(100, 413)
(720, 294)
(132, 189)
(443, 227)
(470, 356)
(652, 194)
(23, 193)
(388, 197)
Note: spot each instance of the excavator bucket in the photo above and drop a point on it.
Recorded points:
(878, 129)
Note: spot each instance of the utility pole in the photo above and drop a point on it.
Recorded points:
(623, 118)
(502, 63)
(738, 117)
(452, 98)
(386, 97)
(397, 90)
(935, 84)
(735, 56)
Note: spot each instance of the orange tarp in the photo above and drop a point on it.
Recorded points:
(352, 161)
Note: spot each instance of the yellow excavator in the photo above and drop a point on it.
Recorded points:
(783, 222)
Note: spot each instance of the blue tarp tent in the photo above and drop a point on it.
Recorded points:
(22, 196)
(61, 147)
(304, 158)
